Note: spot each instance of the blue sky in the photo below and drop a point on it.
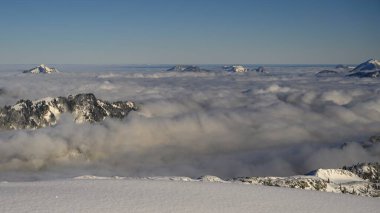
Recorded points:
(185, 31)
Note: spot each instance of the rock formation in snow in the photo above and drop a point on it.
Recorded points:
(361, 179)
(26, 114)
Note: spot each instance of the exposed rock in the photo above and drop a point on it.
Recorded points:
(185, 68)
(367, 171)
(298, 182)
(26, 114)
(374, 139)
(361, 179)
(260, 69)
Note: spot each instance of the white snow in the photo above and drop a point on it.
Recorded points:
(337, 175)
(239, 69)
(211, 178)
(111, 195)
(236, 68)
(92, 177)
(18, 106)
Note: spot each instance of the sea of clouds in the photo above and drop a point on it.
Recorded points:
(283, 123)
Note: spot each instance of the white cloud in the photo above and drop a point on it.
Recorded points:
(196, 123)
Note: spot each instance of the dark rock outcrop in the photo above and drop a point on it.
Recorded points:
(185, 68)
(367, 171)
(326, 73)
(363, 74)
(260, 69)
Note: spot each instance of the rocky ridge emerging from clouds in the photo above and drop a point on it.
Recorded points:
(371, 64)
(27, 114)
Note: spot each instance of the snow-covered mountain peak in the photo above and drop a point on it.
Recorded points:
(42, 68)
(335, 175)
(235, 68)
(211, 178)
(370, 64)
(373, 61)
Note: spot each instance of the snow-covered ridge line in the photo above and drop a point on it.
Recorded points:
(26, 114)
(361, 179)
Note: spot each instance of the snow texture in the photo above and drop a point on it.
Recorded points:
(105, 195)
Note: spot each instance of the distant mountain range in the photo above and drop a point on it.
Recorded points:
(367, 69)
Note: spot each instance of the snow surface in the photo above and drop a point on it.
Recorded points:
(337, 175)
(112, 195)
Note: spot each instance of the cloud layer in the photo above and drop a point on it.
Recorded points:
(192, 124)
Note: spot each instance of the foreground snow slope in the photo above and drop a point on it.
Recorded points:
(170, 196)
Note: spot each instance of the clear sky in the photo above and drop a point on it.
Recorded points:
(189, 31)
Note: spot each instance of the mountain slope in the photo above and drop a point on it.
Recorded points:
(371, 64)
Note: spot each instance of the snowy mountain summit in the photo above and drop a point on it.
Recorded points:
(235, 68)
(335, 175)
(26, 114)
(371, 64)
(42, 68)
(368, 69)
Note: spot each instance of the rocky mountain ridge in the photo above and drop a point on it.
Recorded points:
(361, 179)
(27, 114)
